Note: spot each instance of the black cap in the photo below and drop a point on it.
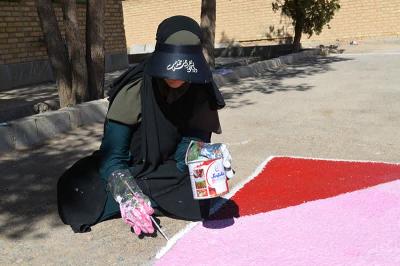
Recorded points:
(178, 53)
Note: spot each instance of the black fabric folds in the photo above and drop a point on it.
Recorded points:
(82, 193)
(175, 24)
(157, 175)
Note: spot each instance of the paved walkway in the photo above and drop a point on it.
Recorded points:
(341, 106)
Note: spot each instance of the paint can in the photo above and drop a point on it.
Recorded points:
(208, 178)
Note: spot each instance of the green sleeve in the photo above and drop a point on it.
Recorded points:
(115, 148)
(126, 107)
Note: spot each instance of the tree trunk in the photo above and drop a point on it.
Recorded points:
(95, 47)
(76, 51)
(298, 28)
(56, 51)
(208, 18)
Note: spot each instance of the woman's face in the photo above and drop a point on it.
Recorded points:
(174, 83)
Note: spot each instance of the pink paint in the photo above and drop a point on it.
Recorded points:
(357, 228)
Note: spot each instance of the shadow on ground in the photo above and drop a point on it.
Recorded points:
(275, 80)
(28, 183)
(19, 102)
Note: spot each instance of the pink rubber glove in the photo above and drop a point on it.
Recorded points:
(136, 213)
(133, 203)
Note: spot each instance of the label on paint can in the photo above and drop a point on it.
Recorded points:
(208, 178)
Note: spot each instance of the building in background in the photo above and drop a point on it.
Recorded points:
(131, 25)
(252, 22)
(23, 53)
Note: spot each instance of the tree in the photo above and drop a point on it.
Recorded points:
(76, 52)
(95, 47)
(67, 56)
(207, 24)
(57, 52)
(308, 16)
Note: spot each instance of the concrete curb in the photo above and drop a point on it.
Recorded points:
(258, 68)
(35, 130)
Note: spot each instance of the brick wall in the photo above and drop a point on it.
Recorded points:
(114, 27)
(363, 19)
(21, 38)
(253, 21)
(141, 17)
(248, 22)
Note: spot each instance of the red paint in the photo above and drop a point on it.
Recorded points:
(287, 182)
